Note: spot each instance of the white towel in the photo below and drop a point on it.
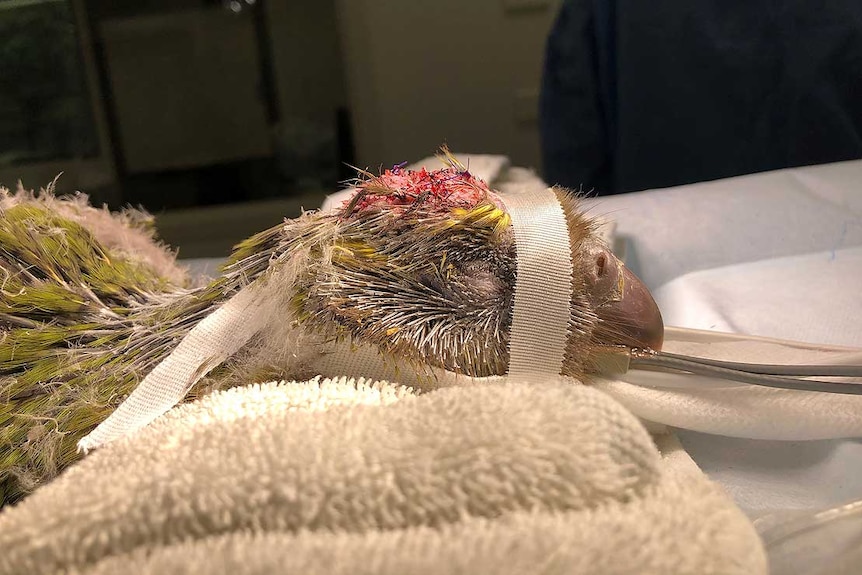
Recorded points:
(743, 410)
(337, 477)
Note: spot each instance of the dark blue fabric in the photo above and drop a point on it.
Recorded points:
(639, 95)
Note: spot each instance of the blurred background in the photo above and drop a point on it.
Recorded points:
(223, 116)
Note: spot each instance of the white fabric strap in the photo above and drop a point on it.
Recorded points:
(208, 344)
(543, 289)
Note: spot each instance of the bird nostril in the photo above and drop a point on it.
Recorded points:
(601, 265)
(603, 278)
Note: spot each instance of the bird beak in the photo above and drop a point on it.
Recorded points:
(626, 309)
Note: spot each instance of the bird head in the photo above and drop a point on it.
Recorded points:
(423, 265)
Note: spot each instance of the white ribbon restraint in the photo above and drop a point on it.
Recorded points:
(214, 339)
(543, 289)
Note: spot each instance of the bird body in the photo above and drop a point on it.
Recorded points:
(420, 264)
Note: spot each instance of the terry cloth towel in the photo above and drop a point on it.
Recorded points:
(741, 410)
(338, 476)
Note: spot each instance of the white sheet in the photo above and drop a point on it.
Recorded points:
(675, 231)
(809, 297)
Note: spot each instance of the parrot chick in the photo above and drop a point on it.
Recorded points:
(420, 264)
